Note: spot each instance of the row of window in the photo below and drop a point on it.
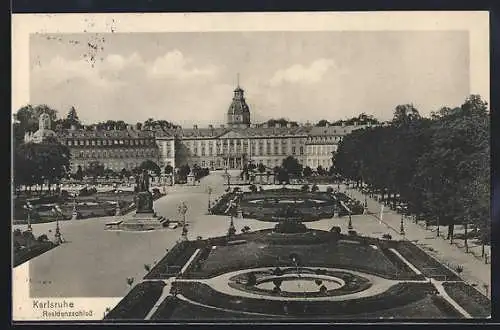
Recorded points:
(241, 142)
(325, 163)
(116, 153)
(321, 150)
(109, 142)
(259, 150)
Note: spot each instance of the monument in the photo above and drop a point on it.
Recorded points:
(144, 218)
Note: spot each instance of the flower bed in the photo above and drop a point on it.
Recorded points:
(398, 295)
(352, 283)
(429, 266)
(138, 302)
(173, 261)
(166, 308)
(404, 271)
(23, 255)
(184, 311)
(469, 298)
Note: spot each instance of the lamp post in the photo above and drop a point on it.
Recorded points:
(58, 230)
(182, 211)
(74, 213)
(28, 208)
(401, 227)
(349, 226)
(231, 230)
(209, 190)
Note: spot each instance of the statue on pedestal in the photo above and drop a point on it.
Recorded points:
(142, 181)
(144, 198)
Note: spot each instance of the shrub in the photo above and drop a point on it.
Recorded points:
(253, 188)
(352, 233)
(387, 236)
(42, 238)
(329, 190)
(336, 230)
(459, 269)
(314, 188)
(251, 279)
(304, 188)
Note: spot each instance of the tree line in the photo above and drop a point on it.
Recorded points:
(439, 165)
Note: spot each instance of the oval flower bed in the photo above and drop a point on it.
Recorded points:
(301, 282)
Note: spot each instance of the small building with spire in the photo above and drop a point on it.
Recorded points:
(43, 133)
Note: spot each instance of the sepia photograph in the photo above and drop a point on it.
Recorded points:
(255, 167)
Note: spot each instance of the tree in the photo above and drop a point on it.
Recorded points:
(40, 163)
(150, 166)
(26, 119)
(79, 173)
(184, 170)
(322, 123)
(437, 165)
(405, 114)
(307, 171)
(169, 169)
(71, 119)
(282, 122)
(283, 176)
(292, 166)
(261, 168)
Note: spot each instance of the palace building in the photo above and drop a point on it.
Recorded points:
(230, 146)
(240, 142)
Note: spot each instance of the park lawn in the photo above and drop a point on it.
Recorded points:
(175, 309)
(254, 255)
(426, 308)
(429, 266)
(138, 302)
(476, 304)
(23, 255)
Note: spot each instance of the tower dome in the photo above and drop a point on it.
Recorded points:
(238, 113)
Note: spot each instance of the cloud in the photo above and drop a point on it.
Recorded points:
(300, 74)
(60, 70)
(119, 62)
(174, 64)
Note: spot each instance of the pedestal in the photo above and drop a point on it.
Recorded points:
(144, 218)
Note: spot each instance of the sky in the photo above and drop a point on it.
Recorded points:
(188, 77)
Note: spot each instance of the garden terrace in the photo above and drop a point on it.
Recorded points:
(429, 266)
(98, 204)
(138, 302)
(263, 205)
(401, 297)
(476, 304)
(348, 254)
